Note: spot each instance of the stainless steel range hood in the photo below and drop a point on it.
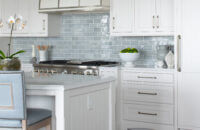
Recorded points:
(61, 6)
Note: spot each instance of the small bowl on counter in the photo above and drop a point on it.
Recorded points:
(129, 56)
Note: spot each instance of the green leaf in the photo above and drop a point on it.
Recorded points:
(3, 56)
(22, 51)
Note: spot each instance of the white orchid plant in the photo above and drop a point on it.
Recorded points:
(14, 23)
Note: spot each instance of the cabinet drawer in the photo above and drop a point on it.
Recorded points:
(147, 77)
(148, 93)
(130, 125)
(162, 114)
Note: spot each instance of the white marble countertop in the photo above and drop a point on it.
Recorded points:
(62, 81)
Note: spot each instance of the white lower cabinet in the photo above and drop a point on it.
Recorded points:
(162, 114)
(91, 108)
(127, 125)
(147, 99)
(148, 93)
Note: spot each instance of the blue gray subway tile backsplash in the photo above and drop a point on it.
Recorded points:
(86, 36)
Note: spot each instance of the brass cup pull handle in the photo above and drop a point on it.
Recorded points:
(149, 114)
(143, 93)
(140, 77)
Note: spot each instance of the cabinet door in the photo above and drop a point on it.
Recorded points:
(123, 14)
(188, 96)
(189, 44)
(165, 15)
(189, 77)
(145, 15)
(45, 4)
(1, 16)
(15, 8)
(90, 2)
(10, 8)
(90, 111)
(37, 21)
(69, 3)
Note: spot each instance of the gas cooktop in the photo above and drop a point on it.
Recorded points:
(72, 66)
(77, 62)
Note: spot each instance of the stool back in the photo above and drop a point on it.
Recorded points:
(12, 97)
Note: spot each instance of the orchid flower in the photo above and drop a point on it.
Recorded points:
(11, 20)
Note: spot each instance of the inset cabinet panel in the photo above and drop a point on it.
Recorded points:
(145, 15)
(165, 15)
(69, 3)
(90, 2)
(123, 14)
(45, 4)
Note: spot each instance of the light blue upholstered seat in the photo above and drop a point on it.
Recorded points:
(37, 115)
(12, 102)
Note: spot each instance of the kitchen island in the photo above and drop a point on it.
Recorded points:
(77, 102)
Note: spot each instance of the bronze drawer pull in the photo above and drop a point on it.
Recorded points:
(150, 114)
(147, 93)
(140, 77)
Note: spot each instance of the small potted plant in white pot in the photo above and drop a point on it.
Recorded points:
(128, 56)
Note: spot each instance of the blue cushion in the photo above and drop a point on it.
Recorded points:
(36, 115)
(10, 123)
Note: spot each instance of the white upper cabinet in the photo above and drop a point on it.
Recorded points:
(72, 5)
(69, 3)
(36, 24)
(90, 2)
(148, 17)
(122, 20)
(46, 4)
(1, 16)
(165, 15)
(145, 15)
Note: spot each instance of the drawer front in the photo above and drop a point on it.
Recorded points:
(148, 93)
(127, 125)
(162, 114)
(147, 77)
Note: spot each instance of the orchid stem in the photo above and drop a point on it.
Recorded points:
(9, 45)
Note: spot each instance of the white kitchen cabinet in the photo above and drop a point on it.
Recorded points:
(147, 99)
(42, 24)
(165, 16)
(45, 4)
(90, 2)
(142, 17)
(188, 62)
(92, 110)
(145, 16)
(73, 5)
(1, 16)
(69, 3)
(122, 16)
(12, 8)
(37, 25)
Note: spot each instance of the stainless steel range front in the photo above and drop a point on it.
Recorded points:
(72, 67)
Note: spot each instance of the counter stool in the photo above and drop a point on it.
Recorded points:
(13, 112)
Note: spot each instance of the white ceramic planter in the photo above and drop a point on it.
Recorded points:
(129, 58)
